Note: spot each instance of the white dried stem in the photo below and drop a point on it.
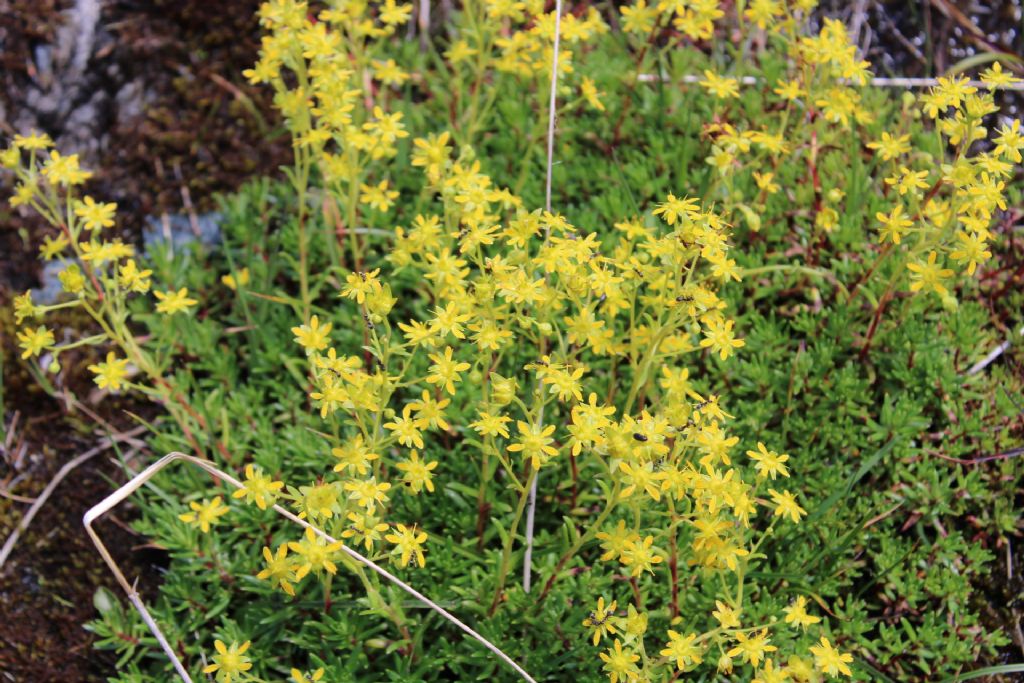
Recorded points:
(138, 480)
(993, 354)
(880, 81)
(531, 504)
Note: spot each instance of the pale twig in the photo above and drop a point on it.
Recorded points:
(68, 467)
(531, 506)
(995, 353)
(138, 480)
(880, 81)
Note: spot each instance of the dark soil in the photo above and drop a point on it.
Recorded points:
(166, 120)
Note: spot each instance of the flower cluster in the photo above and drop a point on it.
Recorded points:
(100, 273)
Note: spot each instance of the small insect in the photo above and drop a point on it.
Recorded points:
(640, 437)
(684, 297)
(362, 275)
(592, 619)
(689, 423)
(366, 319)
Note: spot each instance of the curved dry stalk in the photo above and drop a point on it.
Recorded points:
(141, 478)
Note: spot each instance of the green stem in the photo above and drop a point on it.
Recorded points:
(506, 553)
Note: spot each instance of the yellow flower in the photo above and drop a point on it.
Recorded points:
(387, 128)
(635, 624)
(312, 337)
(110, 374)
(789, 90)
(100, 253)
(431, 153)
(889, 147)
(71, 279)
(388, 72)
(766, 182)
(393, 14)
(601, 620)
(365, 527)
(64, 170)
(752, 647)
(797, 614)
(53, 246)
(907, 181)
(95, 216)
(928, 276)
(316, 554)
(590, 94)
(36, 141)
(354, 455)
(367, 492)
(133, 279)
(358, 285)
(638, 18)
(997, 78)
(718, 335)
(534, 443)
(377, 196)
(172, 302)
(258, 488)
(33, 341)
(785, 504)
(405, 429)
(205, 514)
(299, 677)
(418, 474)
(229, 663)
(894, 224)
(768, 463)
(620, 664)
(829, 660)
(769, 674)
(279, 569)
(972, 250)
(23, 193)
(445, 370)
(615, 542)
(491, 425)
(23, 307)
(720, 86)
(408, 544)
(448, 320)
(682, 649)
(673, 209)
(235, 280)
(727, 617)
(640, 556)
(430, 413)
